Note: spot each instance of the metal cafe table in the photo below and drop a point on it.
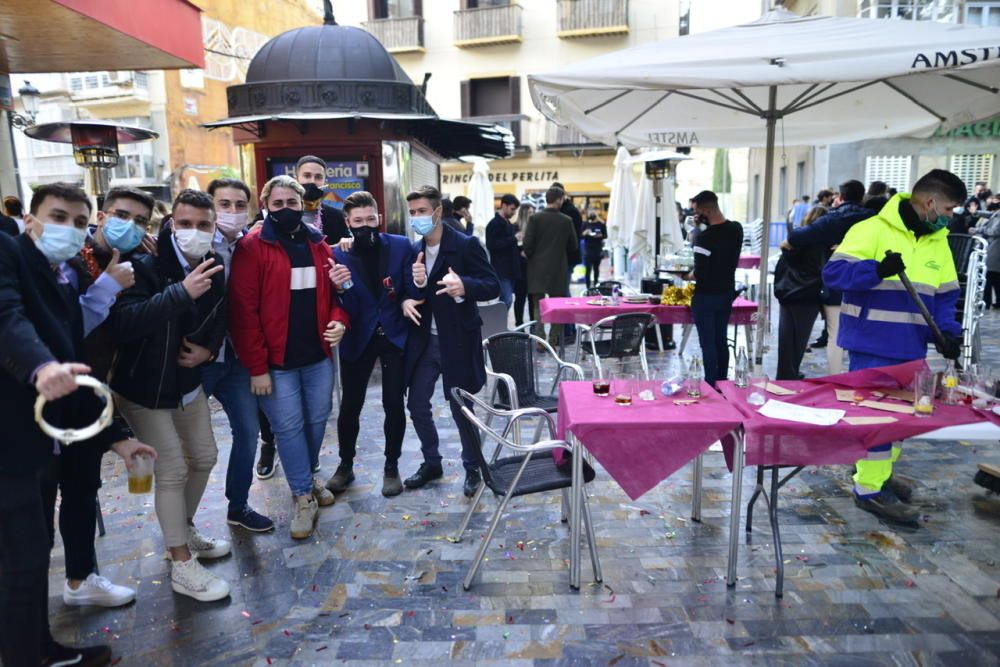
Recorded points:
(641, 444)
(774, 443)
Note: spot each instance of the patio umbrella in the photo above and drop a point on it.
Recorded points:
(480, 191)
(643, 228)
(621, 207)
(818, 79)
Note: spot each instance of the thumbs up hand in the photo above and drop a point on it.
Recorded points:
(339, 275)
(452, 285)
(420, 271)
(121, 271)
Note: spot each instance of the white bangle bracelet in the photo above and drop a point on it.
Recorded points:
(71, 435)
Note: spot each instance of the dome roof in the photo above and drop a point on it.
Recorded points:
(324, 53)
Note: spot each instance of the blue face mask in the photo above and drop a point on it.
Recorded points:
(123, 235)
(61, 242)
(422, 224)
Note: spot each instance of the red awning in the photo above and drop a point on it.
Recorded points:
(86, 35)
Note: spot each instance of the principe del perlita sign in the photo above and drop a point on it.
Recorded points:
(542, 178)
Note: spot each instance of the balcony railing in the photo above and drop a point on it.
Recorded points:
(398, 35)
(488, 25)
(586, 18)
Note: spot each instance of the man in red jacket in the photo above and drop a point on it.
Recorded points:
(284, 319)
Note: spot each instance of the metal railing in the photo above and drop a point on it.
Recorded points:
(398, 34)
(578, 18)
(488, 25)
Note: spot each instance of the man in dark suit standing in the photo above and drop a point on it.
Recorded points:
(548, 241)
(447, 338)
(370, 279)
(310, 172)
(501, 241)
(41, 339)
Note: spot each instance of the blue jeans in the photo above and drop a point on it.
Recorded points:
(298, 407)
(229, 382)
(711, 319)
(425, 377)
(507, 291)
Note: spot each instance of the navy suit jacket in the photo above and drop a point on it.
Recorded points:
(501, 241)
(366, 311)
(459, 326)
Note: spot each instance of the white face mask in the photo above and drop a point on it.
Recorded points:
(231, 224)
(194, 243)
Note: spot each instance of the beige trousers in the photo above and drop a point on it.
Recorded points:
(834, 353)
(186, 453)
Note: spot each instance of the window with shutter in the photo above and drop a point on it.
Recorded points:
(893, 170)
(972, 168)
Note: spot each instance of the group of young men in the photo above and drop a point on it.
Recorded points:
(251, 312)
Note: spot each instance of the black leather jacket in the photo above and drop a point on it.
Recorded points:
(149, 321)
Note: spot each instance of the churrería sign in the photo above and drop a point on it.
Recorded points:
(984, 128)
(540, 177)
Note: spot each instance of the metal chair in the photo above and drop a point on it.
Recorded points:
(627, 339)
(531, 469)
(511, 363)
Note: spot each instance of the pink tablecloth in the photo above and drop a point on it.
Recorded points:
(642, 444)
(748, 262)
(777, 442)
(576, 310)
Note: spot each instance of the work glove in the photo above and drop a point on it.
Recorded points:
(891, 265)
(952, 347)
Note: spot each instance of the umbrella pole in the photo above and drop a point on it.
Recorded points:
(762, 324)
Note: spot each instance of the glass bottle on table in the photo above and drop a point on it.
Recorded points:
(616, 295)
(741, 373)
(694, 377)
(949, 385)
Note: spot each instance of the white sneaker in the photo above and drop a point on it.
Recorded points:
(324, 497)
(98, 591)
(306, 510)
(192, 579)
(206, 547)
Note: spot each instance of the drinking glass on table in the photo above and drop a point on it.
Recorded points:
(924, 388)
(757, 389)
(602, 384)
(623, 387)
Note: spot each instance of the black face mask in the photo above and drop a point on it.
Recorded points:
(366, 239)
(313, 192)
(701, 219)
(286, 220)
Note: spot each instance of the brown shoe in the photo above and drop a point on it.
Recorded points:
(391, 484)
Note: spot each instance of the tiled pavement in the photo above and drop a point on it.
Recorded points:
(379, 583)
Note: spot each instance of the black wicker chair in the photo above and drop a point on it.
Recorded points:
(627, 339)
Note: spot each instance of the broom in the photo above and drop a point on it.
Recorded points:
(988, 475)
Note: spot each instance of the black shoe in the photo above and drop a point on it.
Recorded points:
(472, 481)
(819, 343)
(265, 464)
(426, 473)
(885, 505)
(85, 656)
(900, 486)
(669, 345)
(341, 479)
(249, 520)
(391, 486)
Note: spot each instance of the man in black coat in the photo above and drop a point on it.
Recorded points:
(501, 242)
(41, 343)
(447, 339)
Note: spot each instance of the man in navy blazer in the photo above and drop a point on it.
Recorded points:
(371, 278)
(501, 241)
(450, 274)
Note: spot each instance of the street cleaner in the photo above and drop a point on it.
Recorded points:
(880, 325)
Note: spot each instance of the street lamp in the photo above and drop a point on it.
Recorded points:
(29, 100)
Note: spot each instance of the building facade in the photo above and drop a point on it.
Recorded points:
(476, 55)
(971, 151)
(173, 103)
